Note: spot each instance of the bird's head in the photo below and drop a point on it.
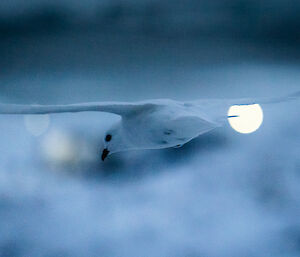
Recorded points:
(113, 141)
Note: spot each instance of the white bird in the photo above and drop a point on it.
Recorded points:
(152, 124)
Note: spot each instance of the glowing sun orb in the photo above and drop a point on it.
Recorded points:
(245, 119)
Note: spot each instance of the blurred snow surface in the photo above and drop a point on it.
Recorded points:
(223, 194)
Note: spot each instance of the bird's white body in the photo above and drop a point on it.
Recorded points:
(152, 124)
(164, 123)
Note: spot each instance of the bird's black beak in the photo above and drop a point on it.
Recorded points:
(104, 154)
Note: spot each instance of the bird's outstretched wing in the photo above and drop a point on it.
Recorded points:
(266, 100)
(120, 108)
(250, 101)
(216, 110)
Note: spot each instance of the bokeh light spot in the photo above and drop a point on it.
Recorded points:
(37, 125)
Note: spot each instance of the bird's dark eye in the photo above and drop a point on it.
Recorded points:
(108, 138)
